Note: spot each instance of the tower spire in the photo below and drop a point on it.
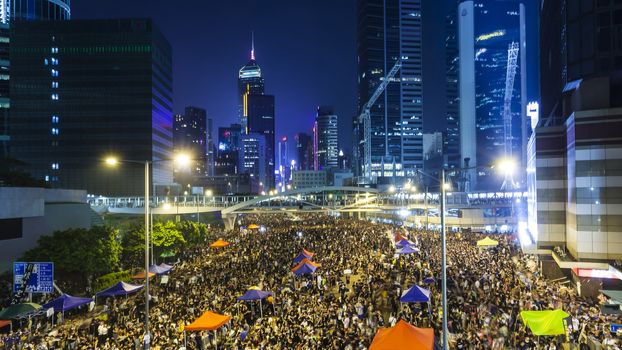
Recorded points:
(252, 45)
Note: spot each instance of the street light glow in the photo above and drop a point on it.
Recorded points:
(447, 186)
(507, 166)
(182, 159)
(112, 161)
(391, 189)
(208, 193)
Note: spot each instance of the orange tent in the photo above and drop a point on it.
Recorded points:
(403, 336)
(305, 260)
(398, 237)
(4, 323)
(141, 275)
(219, 243)
(209, 321)
(308, 253)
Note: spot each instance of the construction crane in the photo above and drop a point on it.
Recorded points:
(508, 181)
(365, 117)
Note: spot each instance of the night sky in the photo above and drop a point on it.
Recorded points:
(306, 49)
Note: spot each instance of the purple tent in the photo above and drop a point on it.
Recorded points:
(66, 302)
(415, 294)
(160, 269)
(120, 288)
(407, 250)
(404, 242)
(255, 295)
(305, 269)
(301, 257)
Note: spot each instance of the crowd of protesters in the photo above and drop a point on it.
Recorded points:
(355, 291)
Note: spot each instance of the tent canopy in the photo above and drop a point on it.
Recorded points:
(209, 321)
(300, 258)
(429, 280)
(160, 269)
(415, 294)
(120, 288)
(14, 311)
(403, 336)
(546, 322)
(255, 295)
(66, 302)
(4, 323)
(141, 275)
(307, 261)
(398, 237)
(304, 269)
(253, 226)
(308, 253)
(487, 242)
(407, 250)
(404, 242)
(220, 243)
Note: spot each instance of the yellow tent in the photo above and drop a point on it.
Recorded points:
(545, 322)
(487, 242)
(253, 226)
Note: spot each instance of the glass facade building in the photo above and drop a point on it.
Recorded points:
(250, 82)
(389, 30)
(83, 90)
(190, 137)
(260, 113)
(327, 148)
(486, 31)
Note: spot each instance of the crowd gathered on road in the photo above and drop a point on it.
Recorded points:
(355, 290)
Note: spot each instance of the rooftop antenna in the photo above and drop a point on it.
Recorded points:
(252, 45)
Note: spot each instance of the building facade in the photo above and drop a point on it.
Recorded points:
(327, 146)
(575, 154)
(253, 160)
(304, 151)
(487, 31)
(389, 30)
(227, 155)
(309, 179)
(62, 127)
(20, 10)
(190, 137)
(451, 143)
(250, 82)
(260, 113)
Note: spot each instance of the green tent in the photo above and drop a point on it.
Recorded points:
(546, 322)
(17, 310)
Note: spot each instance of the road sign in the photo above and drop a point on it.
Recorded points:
(33, 277)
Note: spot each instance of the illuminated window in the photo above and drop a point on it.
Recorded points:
(54, 97)
(54, 131)
(54, 73)
(54, 119)
(54, 85)
(55, 166)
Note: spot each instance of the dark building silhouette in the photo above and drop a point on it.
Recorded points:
(260, 112)
(304, 151)
(190, 137)
(85, 89)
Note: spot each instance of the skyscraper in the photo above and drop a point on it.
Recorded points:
(62, 128)
(260, 116)
(491, 32)
(304, 151)
(229, 146)
(12, 10)
(451, 141)
(389, 30)
(283, 164)
(327, 149)
(250, 82)
(253, 160)
(190, 136)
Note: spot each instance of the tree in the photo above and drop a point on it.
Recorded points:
(133, 246)
(166, 235)
(193, 232)
(79, 253)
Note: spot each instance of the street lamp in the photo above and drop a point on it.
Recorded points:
(181, 159)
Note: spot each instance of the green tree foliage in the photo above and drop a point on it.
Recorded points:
(166, 235)
(133, 246)
(109, 280)
(79, 252)
(193, 232)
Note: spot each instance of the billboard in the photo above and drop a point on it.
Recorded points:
(33, 277)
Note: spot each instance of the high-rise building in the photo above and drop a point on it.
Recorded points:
(491, 32)
(387, 31)
(451, 142)
(62, 127)
(229, 146)
(253, 160)
(327, 146)
(250, 82)
(282, 163)
(211, 149)
(304, 151)
(260, 113)
(20, 10)
(575, 156)
(190, 136)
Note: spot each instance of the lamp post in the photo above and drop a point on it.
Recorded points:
(113, 161)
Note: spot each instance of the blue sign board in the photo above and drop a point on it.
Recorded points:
(39, 277)
(615, 327)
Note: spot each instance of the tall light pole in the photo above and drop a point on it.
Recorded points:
(444, 259)
(112, 161)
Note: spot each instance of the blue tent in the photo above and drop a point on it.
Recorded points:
(304, 269)
(404, 242)
(160, 269)
(407, 250)
(120, 288)
(66, 302)
(429, 280)
(300, 258)
(255, 295)
(415, 294)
